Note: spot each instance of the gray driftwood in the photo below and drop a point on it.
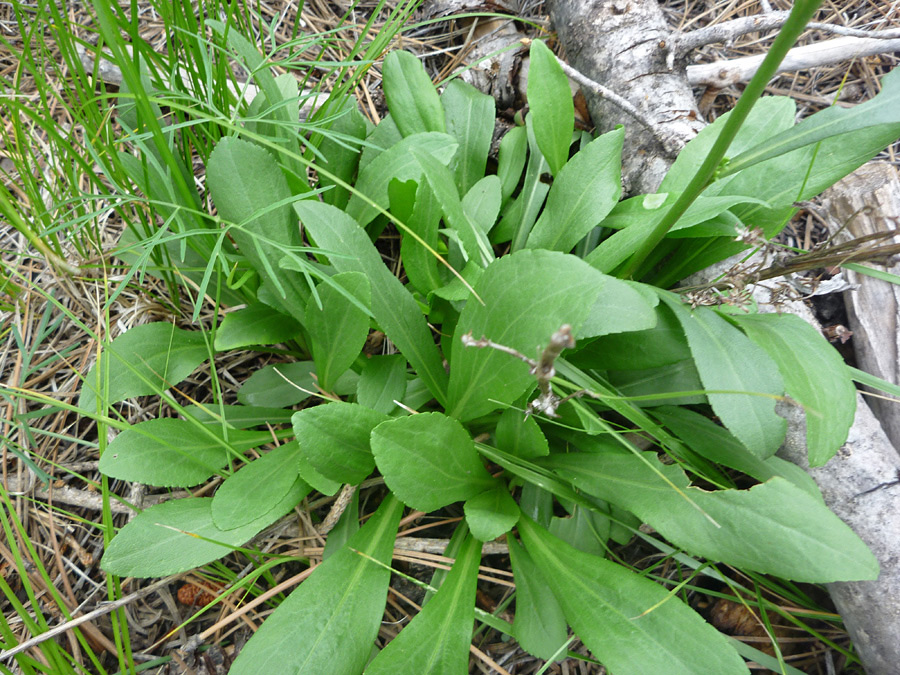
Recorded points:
(868, 201)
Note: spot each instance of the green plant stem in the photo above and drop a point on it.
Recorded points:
(800, 15)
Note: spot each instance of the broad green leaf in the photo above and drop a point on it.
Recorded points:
(511, 160)
(257, 324)
(338, 331)
(440, 180)
(713, 442)
(619, 308)
(428, 461)
(550, 102)
(584, 191)
(469, 116)
(527, 297)
(882, 110)
(174, 453)
(420, 264)
(381, 382)
(395, 163)
(316, 480)
(539, 625)
(585, 530)
(250, 190)
(395, 310)
(631, 624)
(237, 416)
(491, 514)
(519, 216)
(659, 383)
(660, 345)
(334, 438)
(180, 535)
(481, 204)
(814, 375)
(728, 361)
(770, 115)
(410, 95)
(519, 435)
(145, 360)
(641, 209)
(279, 386)
(256, 488)
(341, 150)
(774, 528)
(329, 624)
(385, 135)
(437, 640)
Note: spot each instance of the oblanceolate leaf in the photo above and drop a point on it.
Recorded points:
(394, 163)
(728, 361)
(586, 530)
(585, 190)
(619, 308)
(539, 625)
(395, 310)
(174, 453)
(410, 95)
(429, 460)
(180, 535)
(770, 115)
(381, 382)
(713, 442)
(237, 416)
(660, 345)
(519, 435)
(145, 360)
(814, 375)
(437, 640)
(470, 120)
(628, 622)
(511, 160)
(341, 151)
(520, 215)
(257, 324)
(420, 264)
(527, 297)
(481, 203)
(550, 101)
(883, 109)
(440, 180)
(279, 386)
(256, 488)
(338, 331)
(334, 438)
(329, 624)
(250, 190)
(774, 528)
(491, 514)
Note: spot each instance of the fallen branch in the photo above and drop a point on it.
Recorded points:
(725, 73)
(727, 31)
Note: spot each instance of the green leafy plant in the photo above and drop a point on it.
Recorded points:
(457, 419)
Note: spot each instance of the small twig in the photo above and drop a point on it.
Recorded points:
(727, 31)
(725, 73)
(337, 509)
(543, 369)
